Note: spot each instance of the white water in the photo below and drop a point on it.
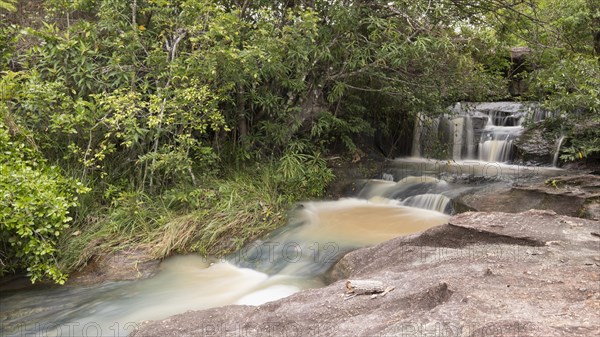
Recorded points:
(458, 126)
(406, 187)
(557, 151)
(418, 129)
(483, 131)
(470, 139)
(436, 202)
(115, 308)
(433, 170)
(497, 141)
(426, 131)
(495, 150)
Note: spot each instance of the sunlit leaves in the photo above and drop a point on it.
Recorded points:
(8, 5)
(35, 210)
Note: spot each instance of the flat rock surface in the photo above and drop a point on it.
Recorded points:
(534, 273)
(577, 195)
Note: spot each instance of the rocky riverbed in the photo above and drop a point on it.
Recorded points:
(535, 273)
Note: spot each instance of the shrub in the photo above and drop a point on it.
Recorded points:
(34, 212)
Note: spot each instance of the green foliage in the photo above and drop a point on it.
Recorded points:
(222, 216)
(154, 103)
(583, 143)
(8, 5)
(303, 175)
(571, 88)
(8, 38)
(566, 71)
(35, 211)
(570, 85)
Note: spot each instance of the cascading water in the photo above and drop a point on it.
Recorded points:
(458, 126)
(557, 151)
(436, 202)
(426, 132)
(470, 137)
(496, 144)
(483, 131)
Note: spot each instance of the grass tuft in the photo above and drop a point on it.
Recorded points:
(216, 219)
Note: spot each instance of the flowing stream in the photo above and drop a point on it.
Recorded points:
(284, 262)
(413, 195)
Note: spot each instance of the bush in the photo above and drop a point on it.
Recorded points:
(34, 212)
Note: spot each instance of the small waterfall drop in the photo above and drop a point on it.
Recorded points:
(557, 152)
(436, 202)
(496, 144)
(495, 150)
(425, 134)
(415, 191)
(416, 145)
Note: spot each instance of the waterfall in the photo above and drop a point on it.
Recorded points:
(425, 134)
(557, 152)
(495, 150)
(496, 143)
(434, 202)
(483, 131)
(387, 177)
(407, 187)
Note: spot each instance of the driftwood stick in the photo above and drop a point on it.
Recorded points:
(387, 290)
(364, 287)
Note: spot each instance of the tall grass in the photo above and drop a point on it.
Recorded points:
(218, 218)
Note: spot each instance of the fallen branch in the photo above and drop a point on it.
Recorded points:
(364, 287)
(386, 291)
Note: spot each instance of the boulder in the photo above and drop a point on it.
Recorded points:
(534, 273)
(534, 146)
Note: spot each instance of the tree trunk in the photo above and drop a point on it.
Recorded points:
(241, 113)
(594, 7)
(597, 42)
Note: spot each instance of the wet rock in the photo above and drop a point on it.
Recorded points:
(349, 172)
(481, 274)
(118, 266)
(518, 85)
(535, 146)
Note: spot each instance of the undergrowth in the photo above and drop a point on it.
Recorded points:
(223, 215)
